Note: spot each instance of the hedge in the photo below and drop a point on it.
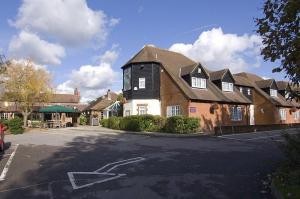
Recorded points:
(150, 123)
(15, 125)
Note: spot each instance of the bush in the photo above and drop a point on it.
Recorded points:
(15, 125)
(36, 123)
(114, 123)
(176, 124)
(182, 124)
(82, 120)
(104, 122)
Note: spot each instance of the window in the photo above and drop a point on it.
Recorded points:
(199, 70)
(198, 82)
(296, 115)
(249, 91)
(282, 113)
(142, 82)
(142, 110)
(287, 94)
(127, 79)
(273, 93)
(4, 116)
(226, 86)
(241, 89)
(236, 113)
(127, 113)
(173, 110)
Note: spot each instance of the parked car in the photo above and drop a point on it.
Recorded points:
(2, 129)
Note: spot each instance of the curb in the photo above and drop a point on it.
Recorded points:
(153, 134)
(275, 192)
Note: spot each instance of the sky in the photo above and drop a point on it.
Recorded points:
(84, 43)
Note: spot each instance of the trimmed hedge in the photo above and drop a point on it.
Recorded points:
(182, 124)
(151, 123)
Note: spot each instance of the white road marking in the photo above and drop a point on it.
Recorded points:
(104, 171)
(6, 167)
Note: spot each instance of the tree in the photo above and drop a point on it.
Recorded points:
(280, 31)
(26, 86)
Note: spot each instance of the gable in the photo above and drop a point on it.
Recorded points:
(227, 77)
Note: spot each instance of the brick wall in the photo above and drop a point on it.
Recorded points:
(218, 116)
(170, 95)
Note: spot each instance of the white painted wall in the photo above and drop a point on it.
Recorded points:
(154, 107)
(252, 119)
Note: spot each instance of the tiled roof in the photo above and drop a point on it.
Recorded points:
(242, 81)
(64, 98)
(217, 75)
(173, 62)
(282, 85)
(266, 83)
(102, 102)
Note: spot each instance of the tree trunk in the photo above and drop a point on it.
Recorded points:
(25, 117)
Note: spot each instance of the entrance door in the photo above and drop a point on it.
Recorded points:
(252, 120)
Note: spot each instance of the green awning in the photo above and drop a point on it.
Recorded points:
(57, 109)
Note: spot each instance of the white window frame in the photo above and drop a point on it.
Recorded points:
(127, 76)
(142, 82)
(142, 110)
(236, 113)
(198, 82)
(249, 91)
(273, 92)
(127, 113)
(199, 70)
(282, 114)
(227, 86)
(173, 110)
(241, 89)
(296, 115)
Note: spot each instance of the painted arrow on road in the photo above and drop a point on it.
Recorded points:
(100, 175)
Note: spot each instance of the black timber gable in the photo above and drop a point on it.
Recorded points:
(151, 73)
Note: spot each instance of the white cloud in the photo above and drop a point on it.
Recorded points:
(29, 45)
(71, 22)
(93, 81)
(113, 22)
(217, 50)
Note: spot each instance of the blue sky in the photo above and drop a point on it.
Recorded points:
(55, 33)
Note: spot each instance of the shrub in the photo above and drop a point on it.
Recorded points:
(104, 122)
(36, 123)
(114, 122)
(182, 124)
(82, 120)
(15, 125)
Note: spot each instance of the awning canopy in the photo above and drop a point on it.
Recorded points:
(58, 109)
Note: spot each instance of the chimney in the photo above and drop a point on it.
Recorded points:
(76, 92)
(108, 94)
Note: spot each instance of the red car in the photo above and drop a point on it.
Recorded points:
(2, 129)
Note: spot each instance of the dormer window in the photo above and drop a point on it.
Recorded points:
(199, 70)
(198, 82)
(227, 86)
(273, 93)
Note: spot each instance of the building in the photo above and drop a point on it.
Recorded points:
(166, 83)
(9, 110)
(161, 82)
(103, 107)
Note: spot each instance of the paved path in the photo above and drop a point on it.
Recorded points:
(142, 166)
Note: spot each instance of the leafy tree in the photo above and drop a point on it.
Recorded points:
(280, 31)
(26, 86)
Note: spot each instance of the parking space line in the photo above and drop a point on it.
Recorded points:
(7, 165)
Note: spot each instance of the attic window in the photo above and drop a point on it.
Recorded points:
(273, 93)
(199, 70)
(198, 82)
(227, 87)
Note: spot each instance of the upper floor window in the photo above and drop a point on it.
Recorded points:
(249, 91)
(273, 93)
(226, 86)
(173, 110)
(199, 70)
(142, 82)
(198, 82)
(287, 94)
(142, 110)
(282, 113)
(241, 89)
(127, 79)
(236, 113)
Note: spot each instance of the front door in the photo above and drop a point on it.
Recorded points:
(252, 121)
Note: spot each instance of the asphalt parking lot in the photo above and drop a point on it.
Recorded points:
(103, 164)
